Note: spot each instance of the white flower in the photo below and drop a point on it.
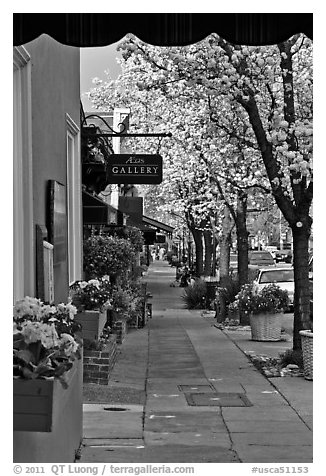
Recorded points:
(68, 344)
(71, 309)
(94, 282)
(30, 307)
(31, 331)
(49, 337)
(47, 309)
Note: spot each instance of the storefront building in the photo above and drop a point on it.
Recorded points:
(47, 217)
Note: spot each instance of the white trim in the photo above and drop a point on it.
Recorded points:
(74, 202)
(21, 57)
(23, 239)
(71, 125)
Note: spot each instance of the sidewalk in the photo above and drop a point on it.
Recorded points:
(173, 373)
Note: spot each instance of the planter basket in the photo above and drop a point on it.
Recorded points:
(266, 327)
(307, 351)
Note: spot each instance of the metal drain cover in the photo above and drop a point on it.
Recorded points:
(218, 399)
(195, 388)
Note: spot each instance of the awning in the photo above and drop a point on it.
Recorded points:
(162, 29)
(97, 212)
(157, 225)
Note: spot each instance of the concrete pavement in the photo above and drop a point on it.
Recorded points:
(204, 401)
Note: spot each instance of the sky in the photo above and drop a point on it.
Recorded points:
(93, 63)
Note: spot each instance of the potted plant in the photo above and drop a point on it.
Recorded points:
(122, 303)
(92, 299)
(264, 307)
(46, 351)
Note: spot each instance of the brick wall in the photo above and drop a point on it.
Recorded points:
(98, 364)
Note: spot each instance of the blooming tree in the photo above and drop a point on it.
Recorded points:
(270, 88)
(185, 191)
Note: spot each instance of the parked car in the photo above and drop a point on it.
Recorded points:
(284, 256)
(272, 249)
(283, 277)
(260, 259)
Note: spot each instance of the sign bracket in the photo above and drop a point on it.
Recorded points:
(122, 132)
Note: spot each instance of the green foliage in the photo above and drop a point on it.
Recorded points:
(120, 300)
(127, 300)
(231, 289)
(90, 295)
(135, 236)
(195, 296)
(250, 300)
(92, 344)
(44, 341)
(131, 233)
(292, 357)
(107, 255)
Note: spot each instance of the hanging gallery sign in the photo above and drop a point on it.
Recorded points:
(135, 169)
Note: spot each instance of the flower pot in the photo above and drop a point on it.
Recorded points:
(92, 322)
(307, 352)
(265, 327)
(47, 418)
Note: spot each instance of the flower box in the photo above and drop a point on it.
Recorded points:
(37, 403)
(92, 323)
(266, 327)
(307, 352)
(48, 419)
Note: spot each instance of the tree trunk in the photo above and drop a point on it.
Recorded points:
(224, 262)
(242, 246)
(301, 318)
(242, 238)
(225, 245)
(197, 235)
(208, 252)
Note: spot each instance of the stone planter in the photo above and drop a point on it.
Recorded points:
(92, 322)
(266, 327)
(47, 418)
(307, 352)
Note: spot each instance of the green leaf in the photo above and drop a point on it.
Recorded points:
(27, 373)
(44, 370)
(26, 356)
